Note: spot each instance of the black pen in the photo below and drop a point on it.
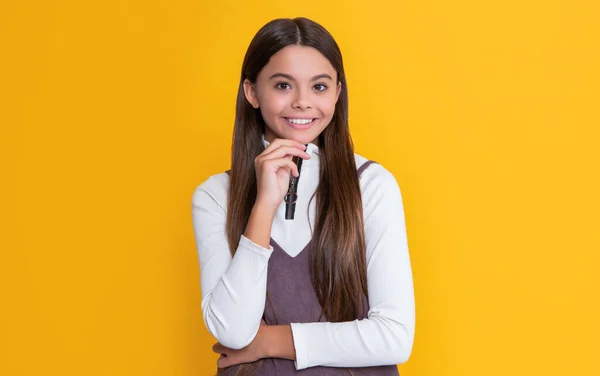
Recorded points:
(292, 196)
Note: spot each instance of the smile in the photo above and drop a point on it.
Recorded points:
(300, 123)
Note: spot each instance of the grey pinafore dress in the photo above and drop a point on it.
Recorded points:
(293, 299)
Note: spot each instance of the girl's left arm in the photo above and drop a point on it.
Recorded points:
(386, 336)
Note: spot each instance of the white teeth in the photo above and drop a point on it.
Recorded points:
(300, 121)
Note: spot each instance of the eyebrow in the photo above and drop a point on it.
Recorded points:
(289, 77)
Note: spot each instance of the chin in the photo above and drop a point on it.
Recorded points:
(304, 137)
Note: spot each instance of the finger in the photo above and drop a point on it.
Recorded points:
(285, 141)
(279, 142)
(284, 151)
(276, 164)
(218, 348)
(224, 362)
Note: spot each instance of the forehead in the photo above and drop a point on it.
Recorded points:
(302, 62)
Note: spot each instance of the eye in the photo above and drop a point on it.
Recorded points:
(282, 85)
(320, 87)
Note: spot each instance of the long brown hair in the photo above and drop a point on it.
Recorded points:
(337, 252)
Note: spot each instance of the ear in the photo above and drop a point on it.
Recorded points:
(250, 93)
(338, 90)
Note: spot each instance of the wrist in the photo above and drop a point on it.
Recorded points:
(278, 342)
(268, 342)
(258, 229)
(264, 210)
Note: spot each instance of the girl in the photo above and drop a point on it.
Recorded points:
(291, 284)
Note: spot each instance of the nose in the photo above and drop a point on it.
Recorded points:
(301, 100)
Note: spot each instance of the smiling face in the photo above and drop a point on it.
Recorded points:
(296, 93)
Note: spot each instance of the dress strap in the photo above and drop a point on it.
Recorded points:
(364, 167)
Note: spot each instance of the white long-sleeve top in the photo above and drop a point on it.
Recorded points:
(234, 288)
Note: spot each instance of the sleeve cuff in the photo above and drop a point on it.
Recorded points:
(251, 246)
(299, 340)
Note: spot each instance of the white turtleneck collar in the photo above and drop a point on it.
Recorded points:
(311, 148)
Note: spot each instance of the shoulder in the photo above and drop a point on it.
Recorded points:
(373, 173)
(381, 193)
(212, 192)
(376, 181)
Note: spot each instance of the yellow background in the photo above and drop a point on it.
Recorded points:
(112, 112)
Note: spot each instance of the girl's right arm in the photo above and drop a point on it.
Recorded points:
(234, 288)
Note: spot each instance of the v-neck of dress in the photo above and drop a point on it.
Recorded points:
(280, 248)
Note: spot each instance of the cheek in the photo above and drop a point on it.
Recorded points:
(327, 105)
(273, 104)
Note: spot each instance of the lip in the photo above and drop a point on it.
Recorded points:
(301, 126)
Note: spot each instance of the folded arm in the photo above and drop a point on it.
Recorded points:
(386, 335)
